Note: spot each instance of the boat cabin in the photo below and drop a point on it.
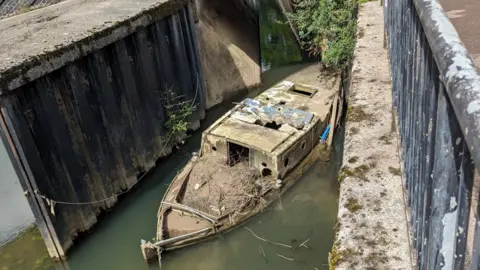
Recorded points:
(273, 132)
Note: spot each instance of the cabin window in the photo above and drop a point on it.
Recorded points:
(214, 148)
(301, 90)
(266, 172)
(264, 164)
(237, 154)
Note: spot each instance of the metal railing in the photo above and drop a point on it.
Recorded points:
(436, 93)
(13, 7)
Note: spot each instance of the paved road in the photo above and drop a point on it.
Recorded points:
(464, 14)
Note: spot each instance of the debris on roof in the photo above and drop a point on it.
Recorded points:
(255, 112)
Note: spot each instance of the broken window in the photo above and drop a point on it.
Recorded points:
(266, 172)
(273, 125)
(237, 154)
(302, 90)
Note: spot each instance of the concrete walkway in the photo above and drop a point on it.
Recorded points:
(464, 15)
(372, 222)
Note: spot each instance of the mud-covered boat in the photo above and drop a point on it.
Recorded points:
(248, 158)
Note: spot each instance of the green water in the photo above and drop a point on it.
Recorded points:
(278, 44)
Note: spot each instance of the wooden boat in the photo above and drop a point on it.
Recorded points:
(248, 158)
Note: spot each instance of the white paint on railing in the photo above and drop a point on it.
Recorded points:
(448, 244)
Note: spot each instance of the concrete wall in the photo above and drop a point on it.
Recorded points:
(228, 41)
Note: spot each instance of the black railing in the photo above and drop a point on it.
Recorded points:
(436, 93)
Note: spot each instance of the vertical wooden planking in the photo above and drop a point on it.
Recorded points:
(133, 103)
(181, 61)
(69, 165)
(116, 114)
(138, 89)
(20, 144)
(97, 149)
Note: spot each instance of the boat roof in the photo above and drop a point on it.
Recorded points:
(274, 117)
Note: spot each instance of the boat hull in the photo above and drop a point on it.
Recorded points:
(320, 152)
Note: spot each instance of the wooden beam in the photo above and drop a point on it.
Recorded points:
(199, 213)
(333, 120)
(181, 237)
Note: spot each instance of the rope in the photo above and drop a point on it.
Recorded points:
(51, 202)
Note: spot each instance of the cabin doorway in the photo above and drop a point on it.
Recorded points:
(237, 153)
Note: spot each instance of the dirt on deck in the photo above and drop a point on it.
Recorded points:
(217, 188)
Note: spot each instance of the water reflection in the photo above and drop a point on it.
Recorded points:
(277, 42)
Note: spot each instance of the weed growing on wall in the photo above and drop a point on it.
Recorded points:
(327, 29)
(178, 110)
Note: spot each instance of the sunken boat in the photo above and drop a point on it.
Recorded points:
(247, 159)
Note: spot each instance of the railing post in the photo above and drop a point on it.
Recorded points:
(436, 91)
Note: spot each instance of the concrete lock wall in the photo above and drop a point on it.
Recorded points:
(228, 41)
(82, 97)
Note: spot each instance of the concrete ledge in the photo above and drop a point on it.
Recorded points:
(39, 42)
(372, 222)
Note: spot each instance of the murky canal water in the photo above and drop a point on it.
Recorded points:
(306, 212)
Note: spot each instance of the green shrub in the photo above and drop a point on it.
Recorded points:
(327, 29)
(178, 111)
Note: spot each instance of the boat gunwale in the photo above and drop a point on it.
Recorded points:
(303, 166)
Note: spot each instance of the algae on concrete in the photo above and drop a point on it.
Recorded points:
(27, 251)
(373, 231)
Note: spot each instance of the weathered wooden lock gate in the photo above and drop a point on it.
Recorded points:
(83, 121)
